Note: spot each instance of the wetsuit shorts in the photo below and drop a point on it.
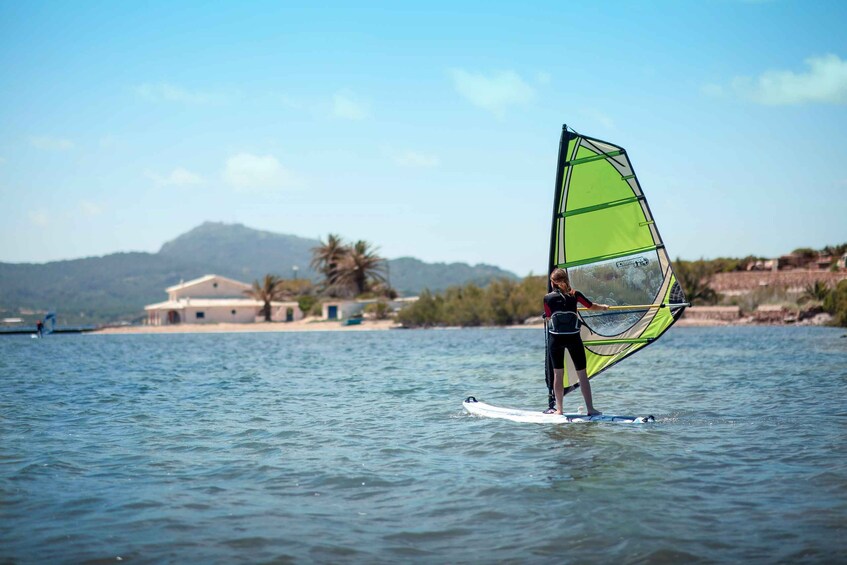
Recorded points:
(571, 342)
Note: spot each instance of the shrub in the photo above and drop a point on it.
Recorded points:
(307, 304)
(695, 278)
(426, 312)
(380, 309)
(502, 302)
(836, 303)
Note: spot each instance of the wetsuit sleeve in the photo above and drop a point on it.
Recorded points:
(547, 311)
(583, 300)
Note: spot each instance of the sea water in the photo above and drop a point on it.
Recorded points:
(352, 447)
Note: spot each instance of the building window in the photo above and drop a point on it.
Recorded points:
(200, 315)
(214, 285)
(233, 312)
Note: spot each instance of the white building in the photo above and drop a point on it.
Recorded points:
(214, 299)
(346, 309)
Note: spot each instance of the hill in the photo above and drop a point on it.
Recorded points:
(116, 287)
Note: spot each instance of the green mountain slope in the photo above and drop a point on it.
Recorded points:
(116, 287)
(242, 253)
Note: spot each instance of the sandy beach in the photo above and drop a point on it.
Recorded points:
(306, 325)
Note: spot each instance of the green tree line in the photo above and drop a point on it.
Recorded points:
(356, 270)
(503, 302)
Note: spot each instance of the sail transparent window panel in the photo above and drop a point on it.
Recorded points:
(633, 280)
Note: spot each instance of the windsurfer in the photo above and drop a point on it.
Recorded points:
(563, 333)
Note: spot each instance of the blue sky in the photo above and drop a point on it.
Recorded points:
(429, 129)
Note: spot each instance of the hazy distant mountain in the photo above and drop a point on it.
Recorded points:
(242, 253)
(410, 276)
(118, 286)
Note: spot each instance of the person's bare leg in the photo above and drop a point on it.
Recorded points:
(559, 388)
(585, 387)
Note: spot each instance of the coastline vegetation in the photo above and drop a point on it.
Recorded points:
(695, 278)
(357, 271)
(835, 303)
(816, 297)
(503, 302)
(349, 271)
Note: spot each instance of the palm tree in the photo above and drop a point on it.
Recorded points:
(361, 266)
(327, 257)
(269, 290)
(817, 291)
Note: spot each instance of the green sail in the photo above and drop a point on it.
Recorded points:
(604, 235)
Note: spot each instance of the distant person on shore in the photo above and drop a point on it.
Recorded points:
(39, 328)
(563, 335)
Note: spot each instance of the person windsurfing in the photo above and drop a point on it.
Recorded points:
(39, 328)
(563, 334)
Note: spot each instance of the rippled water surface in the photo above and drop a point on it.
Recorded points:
(352, 447)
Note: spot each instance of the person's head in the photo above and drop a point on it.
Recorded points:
(560, 280)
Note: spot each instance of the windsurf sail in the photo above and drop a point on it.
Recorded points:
(604, 235)
(51, 318)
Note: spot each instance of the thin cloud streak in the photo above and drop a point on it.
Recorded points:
(177, 177)
(345, 106)
(825, 82)
(89, 208)
(416, 159)
(257, 173)
(49, 143)
(494, 93)
(39, 218)
(166, 92)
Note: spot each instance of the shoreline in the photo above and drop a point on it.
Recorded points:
(309, 325)
(366, 326)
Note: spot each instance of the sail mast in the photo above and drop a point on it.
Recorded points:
(557, 197)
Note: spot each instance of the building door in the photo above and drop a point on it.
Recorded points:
(173, 317)
(289, 314)
(332, 312)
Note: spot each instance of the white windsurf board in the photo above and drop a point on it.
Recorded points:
(477, 408)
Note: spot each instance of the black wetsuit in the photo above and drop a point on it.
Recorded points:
(557, 301)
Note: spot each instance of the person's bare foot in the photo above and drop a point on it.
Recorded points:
(594, 413)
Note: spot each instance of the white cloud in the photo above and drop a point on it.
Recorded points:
(252, 172)
(109, 142)
(495, 92)
(177, 177)
(166, 92)
(825, 82)
(290, 103)
(416, 159)
(89, 208)
(712, 90)
(598, 116)
(345, 106)
(49, 143)
(39, 218)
